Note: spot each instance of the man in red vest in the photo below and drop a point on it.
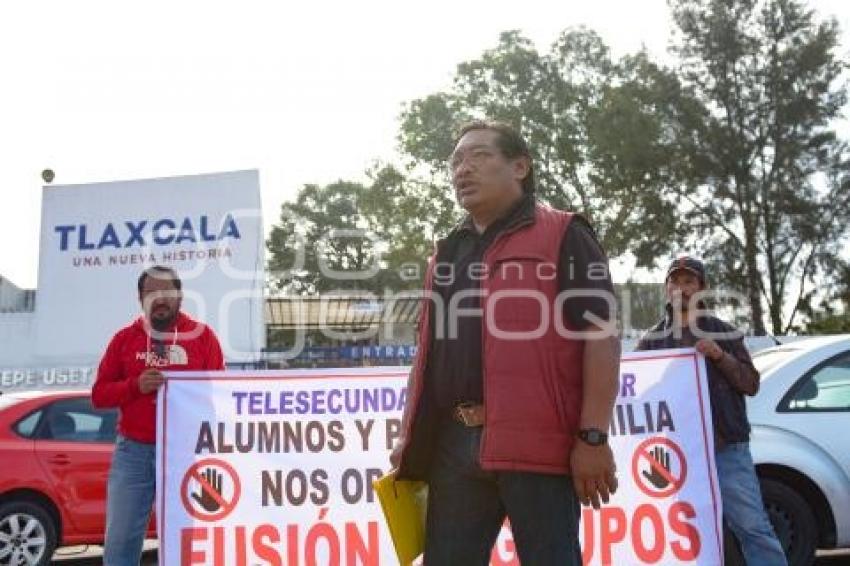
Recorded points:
(517, 366)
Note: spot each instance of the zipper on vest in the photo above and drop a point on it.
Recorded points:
(487, 254)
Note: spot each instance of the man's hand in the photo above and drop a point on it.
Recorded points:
(594, 473)
(709, 349)
(150, 380)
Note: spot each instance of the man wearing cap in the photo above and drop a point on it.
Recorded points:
(731, 375)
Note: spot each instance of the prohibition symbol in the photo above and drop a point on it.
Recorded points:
(210, 489)
(659, 467)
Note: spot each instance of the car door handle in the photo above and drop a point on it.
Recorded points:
(60, 460)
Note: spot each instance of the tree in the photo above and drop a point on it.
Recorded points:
(731, 155)
(833, 316)
(356, 237)
(765, 178)
(321, 232)
(410, 214)
(830, 323)
(640, 306)
(600, 131)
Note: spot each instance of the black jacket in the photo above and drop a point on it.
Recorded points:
(728, 379)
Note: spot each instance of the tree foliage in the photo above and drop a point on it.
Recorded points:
(730, 153)
(767, 192)
(356, 237)
(599, 130)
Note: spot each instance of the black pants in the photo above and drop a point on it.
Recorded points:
(467, 507)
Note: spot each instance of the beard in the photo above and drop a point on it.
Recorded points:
(162, 322)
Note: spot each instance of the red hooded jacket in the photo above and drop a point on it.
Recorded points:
(191, 345)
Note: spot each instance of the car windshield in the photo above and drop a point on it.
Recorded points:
(768, 359)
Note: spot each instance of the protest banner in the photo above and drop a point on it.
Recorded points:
(277, 467)
(667, 509)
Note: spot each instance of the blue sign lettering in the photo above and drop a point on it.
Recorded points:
(163, 232)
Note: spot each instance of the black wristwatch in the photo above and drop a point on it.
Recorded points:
(593, 436)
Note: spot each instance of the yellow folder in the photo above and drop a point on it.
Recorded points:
(404, 504)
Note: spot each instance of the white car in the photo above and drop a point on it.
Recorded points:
(801, 443)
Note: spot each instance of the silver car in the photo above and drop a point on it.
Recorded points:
(801, 443)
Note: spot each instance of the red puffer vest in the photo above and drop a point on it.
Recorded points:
(532, 371)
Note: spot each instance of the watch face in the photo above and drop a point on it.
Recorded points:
(593, 436)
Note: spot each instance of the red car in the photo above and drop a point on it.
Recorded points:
(55, 451)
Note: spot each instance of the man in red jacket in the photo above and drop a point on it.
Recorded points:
(129, 375)
(517, 364)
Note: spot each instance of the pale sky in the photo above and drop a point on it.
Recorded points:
(101, 90)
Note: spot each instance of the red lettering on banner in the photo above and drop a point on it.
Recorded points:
(652, 554)
(686, 529)
(292, 544)
(356, 552)
(218, 546)
(241, 547)
(587, 519)
(325, 534)
(645, 534)
(187, 553)
(612, 529)
(265, 551)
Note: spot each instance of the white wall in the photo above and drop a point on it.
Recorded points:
(17, 331)
(12, 298)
